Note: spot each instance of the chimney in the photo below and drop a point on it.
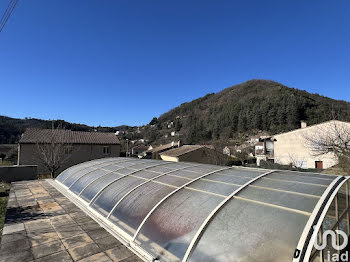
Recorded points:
(303, 124)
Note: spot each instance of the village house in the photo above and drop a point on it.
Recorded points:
(294, 148)
(153, 153)
(264, 150)
(195, 153)
(77, 146)
(229, 150)
(137, 150)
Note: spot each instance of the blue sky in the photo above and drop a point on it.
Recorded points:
(113, 62)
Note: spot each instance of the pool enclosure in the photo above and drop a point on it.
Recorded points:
(168, 211)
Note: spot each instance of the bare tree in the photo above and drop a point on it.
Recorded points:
(331, 138)
(53, 154)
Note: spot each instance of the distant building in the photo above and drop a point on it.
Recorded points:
(137, 150)
(153, 153)
(78, 146)
(264, 150)
(229, 150)
(195, 153)
(293, 148)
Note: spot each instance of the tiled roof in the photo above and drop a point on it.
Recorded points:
(183, 150)
(163, 147)
(34, 135)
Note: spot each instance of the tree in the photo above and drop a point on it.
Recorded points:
(154, 121)
(53, 154)
(332, 138)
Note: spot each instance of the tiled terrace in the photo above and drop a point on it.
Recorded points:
(43, 225)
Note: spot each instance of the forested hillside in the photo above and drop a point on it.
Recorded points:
(246, 108)
(233, 114)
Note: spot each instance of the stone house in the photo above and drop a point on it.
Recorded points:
(195, 153)
(78, 146)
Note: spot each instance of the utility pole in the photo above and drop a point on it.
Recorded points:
(127, 147)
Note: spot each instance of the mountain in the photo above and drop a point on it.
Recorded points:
(227, 117)
(247, 109)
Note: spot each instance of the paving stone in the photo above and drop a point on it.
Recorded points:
(25, 255)
(98, 233)
(37, 224)
(38, 231)
(77, 241)
(40, 239)
(57, 257)
(47, 249)
(100, 257)
(15, 246)
(107, 242)
(89, 226)
(60, 218)
(65, 232)
(133, 258)
(119, 253)
(13, 237)
(83, 251)
(47, 230)
(16, 228)
(64, 220)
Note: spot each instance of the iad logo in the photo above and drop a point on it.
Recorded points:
(333, 237)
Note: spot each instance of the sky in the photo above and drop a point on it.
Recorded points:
(114, 62)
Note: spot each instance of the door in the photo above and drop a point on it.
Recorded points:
(319, 164)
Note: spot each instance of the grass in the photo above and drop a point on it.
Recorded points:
(4, 193)
(44, 176)
(6, 163)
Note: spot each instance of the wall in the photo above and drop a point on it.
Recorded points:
(293, 147)
(18, 173)
(29, 155)
(169, 158)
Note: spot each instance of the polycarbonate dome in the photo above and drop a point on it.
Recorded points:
(194, 212)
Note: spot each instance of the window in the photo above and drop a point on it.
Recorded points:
(106, 150)
(68, 150)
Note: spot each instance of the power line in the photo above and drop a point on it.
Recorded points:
(7, 13)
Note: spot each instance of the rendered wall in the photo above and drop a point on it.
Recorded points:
(294, 146)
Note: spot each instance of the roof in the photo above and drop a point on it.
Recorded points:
(311, 126)
(212, 212)
(163, 147)
(183, 150)
(35, 135)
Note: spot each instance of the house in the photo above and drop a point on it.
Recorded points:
(195, 153)
(264, 150)
(137, 150)
(76, 146)
(229, 150)
(153, 153)
(294, 148)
